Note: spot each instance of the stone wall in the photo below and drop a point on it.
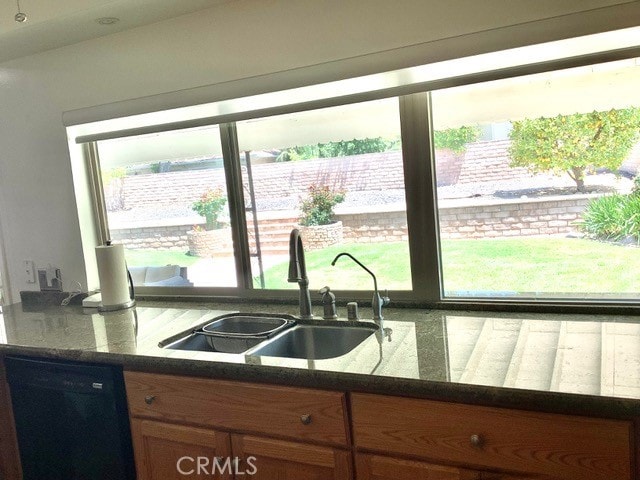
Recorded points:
(161, 237)
(512, 218)
(375, 227)
(489, 162)
(318, 237)
(374, 171)
(491, 219)
(448, 166)
(209, 243)
(486, 161)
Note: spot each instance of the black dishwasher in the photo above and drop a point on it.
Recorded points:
(71, 420)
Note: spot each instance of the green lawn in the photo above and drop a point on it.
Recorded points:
(388, 261)
(551, 265)
(518, 265)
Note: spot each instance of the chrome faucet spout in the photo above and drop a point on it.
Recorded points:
(377, 302)
(346, 254)
(298, 273)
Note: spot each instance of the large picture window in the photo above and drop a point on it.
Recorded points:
(517, 184)
(336, 174)
(536, 185)
(166, 202)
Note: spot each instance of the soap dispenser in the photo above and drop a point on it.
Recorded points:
(328, 304)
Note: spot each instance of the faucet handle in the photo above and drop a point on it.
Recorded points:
(328, 304)
(385, 298)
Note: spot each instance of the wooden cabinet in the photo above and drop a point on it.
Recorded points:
(493, 439)
(378, 467)
(10, 468)
(171, 452)
(278, 459)
(297, 413)
(267, 431)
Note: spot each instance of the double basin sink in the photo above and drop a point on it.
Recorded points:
(274, 336)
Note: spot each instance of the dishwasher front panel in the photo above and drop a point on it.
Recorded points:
(71, 420)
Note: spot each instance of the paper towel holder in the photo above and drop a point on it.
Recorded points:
(121, 306)
(124, 305)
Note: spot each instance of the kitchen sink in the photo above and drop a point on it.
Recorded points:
(272, 335)
(314, 341)
(230, 333)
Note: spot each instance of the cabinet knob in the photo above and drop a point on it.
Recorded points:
(476, 440)
(149, 399)
(305, 419)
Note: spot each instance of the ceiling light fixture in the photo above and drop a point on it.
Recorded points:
(20, 17)
(107, 20)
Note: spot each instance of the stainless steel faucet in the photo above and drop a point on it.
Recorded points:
(298, 273)
(377, 302)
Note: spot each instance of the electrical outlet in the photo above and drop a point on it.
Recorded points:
(29, 271)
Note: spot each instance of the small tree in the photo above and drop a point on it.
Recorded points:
(317, 208)
(210, 206)
(575, 143)
(456, 139)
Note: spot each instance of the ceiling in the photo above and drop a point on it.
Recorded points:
(52, 24)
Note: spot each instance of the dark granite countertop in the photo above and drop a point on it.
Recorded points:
(559, 363)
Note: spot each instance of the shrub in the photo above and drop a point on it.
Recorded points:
(210, 206)
(317, 207)
(343, 148)
(456, 139)
(614, 217)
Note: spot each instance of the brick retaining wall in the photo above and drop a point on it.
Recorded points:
(491, 219)
(512, 218)
(373, 171)
(489, 162)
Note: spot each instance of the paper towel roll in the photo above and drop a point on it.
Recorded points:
(112, 271)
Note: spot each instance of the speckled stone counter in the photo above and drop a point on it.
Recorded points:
(558, 363)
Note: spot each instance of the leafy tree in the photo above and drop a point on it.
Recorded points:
(575, 143)
(455, 139)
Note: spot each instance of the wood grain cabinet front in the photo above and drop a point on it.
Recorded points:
(296, 413)
(198, 428)
(174, 452)
(534, 445)
(268, 459)
(378, 467)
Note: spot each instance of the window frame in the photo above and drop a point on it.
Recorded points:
(414, 106)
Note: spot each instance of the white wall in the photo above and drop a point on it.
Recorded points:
(237, 40)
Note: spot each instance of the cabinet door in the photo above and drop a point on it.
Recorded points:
(494, 439)
(376, 467)
(9, 458)
(174, 452)
(267, 459)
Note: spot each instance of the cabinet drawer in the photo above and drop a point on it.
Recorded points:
(298, 413)
(561, 446)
